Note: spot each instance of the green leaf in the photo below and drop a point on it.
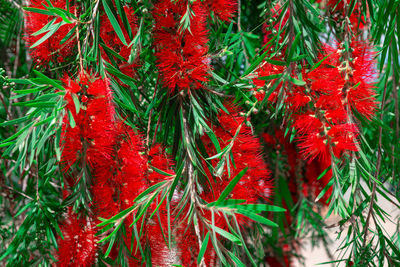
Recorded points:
(257, 208)
(52, 30)
(227, 235)
(114, 22)
(270, 77)
(71, 119)
(203, 248)
(39, 11)
(228, 189)
(161, 172)
(257, 218)
(295, 81)
(319, 63)
(46, 79)
(236, 260)
(76, 102)
(293, 48)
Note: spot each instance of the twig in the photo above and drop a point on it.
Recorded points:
(378, 166)
(79, 46)
(21, 193)
(241, 33)
(149, 120)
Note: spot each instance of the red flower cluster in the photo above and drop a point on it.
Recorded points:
(112, 41)
(223, 9)
(321, 110)
(255, 184)
(94, 123)
(116, 157)
(246, 152)
(78, 245)
(87, 140)
(52, 48)
(335, 91)
(182, 54)
(261, 85)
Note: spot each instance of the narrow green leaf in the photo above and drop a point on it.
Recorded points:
(114, 22)
(257, 218)
(203, 248)
(231, 185)
(228, 235)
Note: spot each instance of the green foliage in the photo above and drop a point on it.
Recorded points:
(32, 108)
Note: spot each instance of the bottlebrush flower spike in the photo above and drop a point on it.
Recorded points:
(159, 159)
(361, 95)
(132, 167)
(246, 152)
(261, 85)
(188, 246)
(157, 236)
(223, 9)
(181, 53)
(94, 124)
(93, 138)
(130, 179)
(78, 248)
(157, 227)
(51, 49)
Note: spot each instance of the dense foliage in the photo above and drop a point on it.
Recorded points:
(198, 132)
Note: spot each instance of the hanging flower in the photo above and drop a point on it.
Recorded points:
(91, 141)
(361, 95)
(264, 79)
(246, 153)
(181, 50)
(223, 9)
(55, 48)
(79, 244)
(91, 138)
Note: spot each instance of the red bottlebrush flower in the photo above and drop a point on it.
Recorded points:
(188, 246)
(182, 54)
(94, 129)
(297, 99)
(92, 139)
(160, 160)
(261, 85)
(361, 95)
(112, 41)
(312, 145)
(306, 123)
(132, 167)
(223, 9)
(246, 152)
(157, 236)
(343, 137)
(51, 49)
(130, 178)
(78, 248)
